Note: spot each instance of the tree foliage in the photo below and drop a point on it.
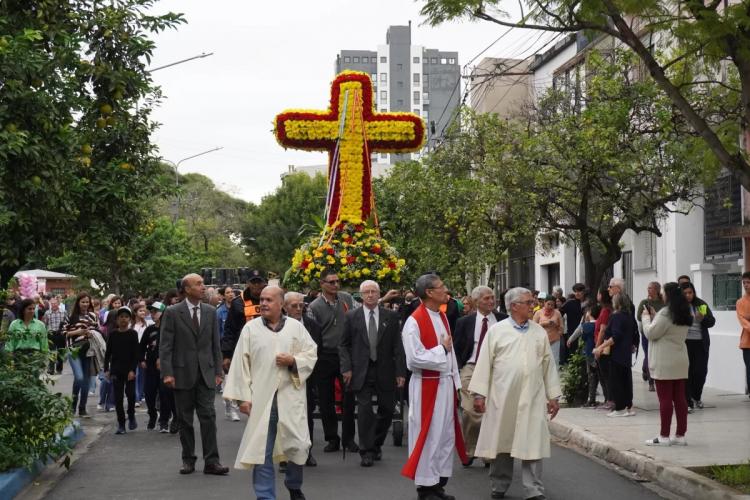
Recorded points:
(701, 52)
(273, 229)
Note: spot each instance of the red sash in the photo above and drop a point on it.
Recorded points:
(430, 382)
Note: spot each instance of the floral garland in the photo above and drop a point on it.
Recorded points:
(354, 250)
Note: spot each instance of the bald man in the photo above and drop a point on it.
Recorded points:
(190, 358)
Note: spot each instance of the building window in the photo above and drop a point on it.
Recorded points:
(417, 95)
(433, 60)
(400, 102)
(383, 59)
(727, 290)
(426, 80)
(383, 96)
(383, 110)
(416, 112)
(400, 85)
(451, 60)
(374, 78)
(355, 59)
(347, 59)
(722, 214)
(627, 272)
(416, 78)
(443, 60)
(416, 60)
(383, 77)
(399, 67)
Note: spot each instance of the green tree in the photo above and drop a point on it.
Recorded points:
(597, 166)
(703, 52)
(273, 229)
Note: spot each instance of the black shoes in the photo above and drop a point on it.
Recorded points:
(216, 469)
(352, 447)
(187, 468)
(174, 427)
(83, 413)
(132, 424)
(163, 428)
(311, 462)
(366, 460)
(296, 495)
(120, 429)
(333, 445)
(378, 454)
(151, 424)
(498, 494)
(469, 462)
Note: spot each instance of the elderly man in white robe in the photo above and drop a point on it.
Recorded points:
(516, 371)
(428, 346)
(273, 358)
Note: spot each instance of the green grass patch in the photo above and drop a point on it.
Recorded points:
(735, 476)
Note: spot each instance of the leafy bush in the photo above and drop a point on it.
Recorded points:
(32, 419)
(575, 378)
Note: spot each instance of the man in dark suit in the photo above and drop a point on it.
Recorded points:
(469, 336)
(191, 365)
(372, 362)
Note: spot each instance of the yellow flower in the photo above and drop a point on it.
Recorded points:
(357, 274)
(318, 254)
(366, 272)
(306, 279)
(363, 254)
(343, 262)
(330, 259)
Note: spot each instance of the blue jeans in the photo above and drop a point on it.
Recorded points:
(263, 475)
(80, 366)
(106, 392)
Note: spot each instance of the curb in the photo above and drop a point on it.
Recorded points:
(673, 478)
(15, 480)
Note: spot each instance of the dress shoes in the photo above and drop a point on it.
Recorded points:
(366, 460)
(378, 455)
(311, 462)
(498, 494)
(187, 468)
(352, 447)
(216, 469)
(296, 495)
(333, 445)
(469, 462)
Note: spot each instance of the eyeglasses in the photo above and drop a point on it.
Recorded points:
(332, 282)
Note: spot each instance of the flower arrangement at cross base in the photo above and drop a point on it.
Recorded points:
(353, 248)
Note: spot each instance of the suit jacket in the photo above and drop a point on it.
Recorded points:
(463, 337)
(354, 350)
(185, 353)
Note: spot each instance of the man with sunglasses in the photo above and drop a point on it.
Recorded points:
(329, 310)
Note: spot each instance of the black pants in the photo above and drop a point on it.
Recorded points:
(57, 342)
(311, 387)
(121, 384)
(697, 370)
(328, 371)
(151, 381)
(198, 399)
(621, 385)
(746, 359)
(373, 429)
(167, 408)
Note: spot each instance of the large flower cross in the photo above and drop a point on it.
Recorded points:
(350, 130)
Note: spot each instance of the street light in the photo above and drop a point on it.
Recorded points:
(199, 56)
(176, 167)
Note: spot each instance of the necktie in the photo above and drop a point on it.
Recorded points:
(372, 335)
(196, 323)
(482, 333)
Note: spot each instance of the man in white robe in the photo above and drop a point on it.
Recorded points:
(273, 358)
(429, 355)
(517, 373)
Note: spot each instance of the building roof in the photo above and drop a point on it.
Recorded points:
(41, 273)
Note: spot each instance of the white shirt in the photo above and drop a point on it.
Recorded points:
(367, 310)
(190, 307)
(478, 332)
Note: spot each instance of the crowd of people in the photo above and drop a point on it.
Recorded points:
(353, 354)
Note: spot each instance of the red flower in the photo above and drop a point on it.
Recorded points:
(359, 228)
(392, 265)
(305, 264)
(330, 251)
(351, 259)
(376, 249)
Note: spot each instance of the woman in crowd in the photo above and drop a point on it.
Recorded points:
(27, 335)
(618, 338)
(604, 300)
(666, 331)
(586, 331)
(549, 318)
(698, 343)
(140, 323)
(79, 327)
(109, 320)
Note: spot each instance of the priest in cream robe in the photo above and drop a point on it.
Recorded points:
(273, 358)
(429, 355)
(515, 385)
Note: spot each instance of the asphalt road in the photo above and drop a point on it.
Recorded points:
(144, 465)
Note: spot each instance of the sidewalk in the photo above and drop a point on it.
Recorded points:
(717, 435)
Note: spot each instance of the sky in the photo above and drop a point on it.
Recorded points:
(268, 57)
